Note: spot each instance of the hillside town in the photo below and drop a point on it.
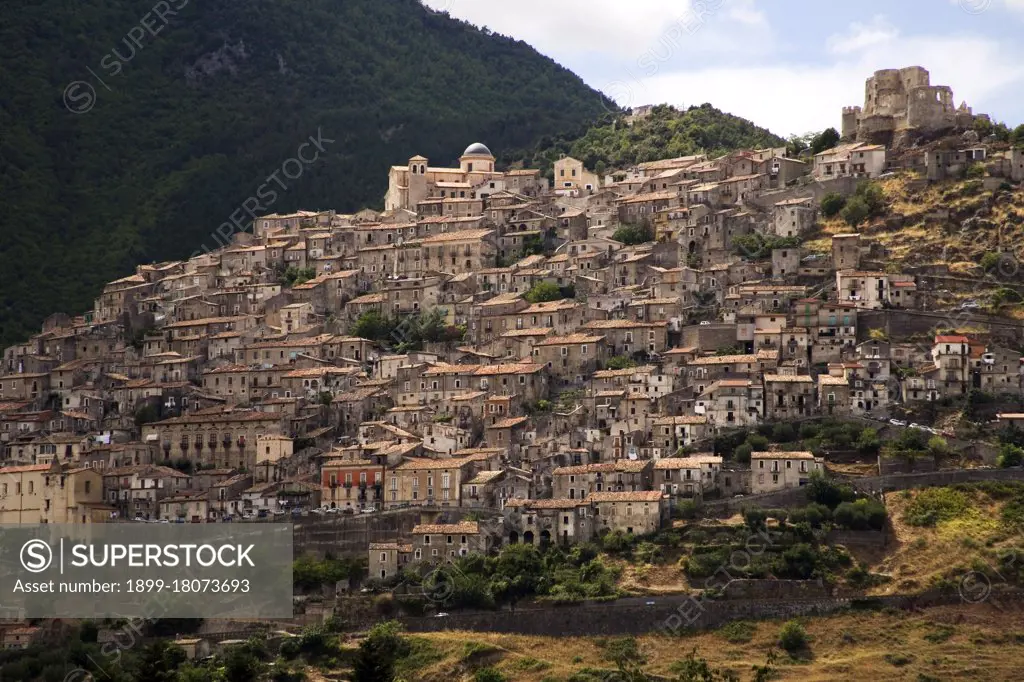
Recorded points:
(523, 359)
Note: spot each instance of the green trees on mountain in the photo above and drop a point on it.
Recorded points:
(218, 101)
(667, 132)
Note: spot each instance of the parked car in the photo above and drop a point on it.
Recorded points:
(368, 510)
(332, 510)
(897, 422)
(280, 512)
(261, 514)
(348, 510)
(296, 511)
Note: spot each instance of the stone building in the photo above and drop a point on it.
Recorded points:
(900, 100)
(779, 470)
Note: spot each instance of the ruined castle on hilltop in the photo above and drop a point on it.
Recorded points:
(902, 101)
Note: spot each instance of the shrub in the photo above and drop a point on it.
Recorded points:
(989, 261)
(933, 505)
(617, 542)
(826, 492)
(872, 195)
(783, 433)
(543, 291)
(488, 675)
(1010, 456)
(742, 453)
(863, 514)
(832, 204)
(738, 631)
(855, 212)
(754, 518)
(808, 431)
(687, 509)
(797, 563)
(813, 514)
(937, 445)
(793, 637)
(620, 362)
(898, 660)
(633, 234)
(826, 139)
(757, 442)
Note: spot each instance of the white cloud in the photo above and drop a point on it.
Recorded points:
(862, 36)
(792, 98)
(726, 52)
(574, 26)
(744, 12)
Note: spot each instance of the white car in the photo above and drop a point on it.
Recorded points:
(368, 510)
(916, 426)
(332, 510)
(897, 422)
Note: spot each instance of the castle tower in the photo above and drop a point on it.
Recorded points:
(851, 118)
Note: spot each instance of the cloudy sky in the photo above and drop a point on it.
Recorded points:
(788, 65)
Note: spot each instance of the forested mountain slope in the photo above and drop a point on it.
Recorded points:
(197, 103)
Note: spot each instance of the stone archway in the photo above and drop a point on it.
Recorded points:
(528, 537)
(513, 538)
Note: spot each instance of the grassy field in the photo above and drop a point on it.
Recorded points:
(973, 642)
(976, 528)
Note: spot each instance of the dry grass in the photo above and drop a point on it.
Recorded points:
(977, 642)
(923, 237)
(665, 577)
(917, 557)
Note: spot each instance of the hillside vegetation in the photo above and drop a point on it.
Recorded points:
(970, 642)
(666, 133)
(965, 537)
(199, 115)
(954, 222)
